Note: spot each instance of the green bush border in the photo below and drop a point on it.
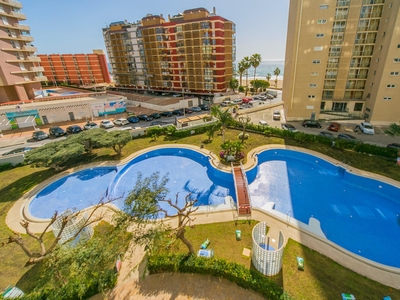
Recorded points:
(242, 276)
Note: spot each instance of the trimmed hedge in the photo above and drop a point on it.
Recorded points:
(242, 276)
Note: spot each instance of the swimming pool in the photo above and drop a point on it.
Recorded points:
(356, 213)
(359, 214)
(188, 172)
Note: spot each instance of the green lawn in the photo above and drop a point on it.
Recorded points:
(321, 274)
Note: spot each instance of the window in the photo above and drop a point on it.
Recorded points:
(323, 6)
(311, 96)
(358, 106)
(319, 35)
(316, 61)
(322, 21)
(396, 60)
(384, 33)
(394, 73)
(319, 48)
(313, 85)
(398, 45)
(387, 98)
(391, 86)
(314, 74)
(178, 28)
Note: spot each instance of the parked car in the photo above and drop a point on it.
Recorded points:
(74, 129)
(39, 135)
(276, 115)
(311, 123)
(176, 95)
(196, 108)
(347, 137)
(166, 113)
(121, 122)
(188, 111)
(263, 123)
(289, 127)
(326, 134)
(334, 126)
(269, 97)
(161, 123)
(393, 146)
(106, 124)
(133, 119)
(145, 117)
(246, 99)
(90, 125)
(18, 150)
(366, 128)
(178, 112)
(272, 93)
(204, 107)
(56, 131)
(155, 115)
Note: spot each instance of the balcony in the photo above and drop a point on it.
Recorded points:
(338, 29)
(368, 28)
(341, 17)
(18, 15)
(29, 48)
(358, 76)
(26, 38)
(36, 69)
(354, 87)
(343, 3)
(371, 15)
(12, 3)
(365, 41)
(22, 27)
(40, 78)
(362, 53)
(33, 58)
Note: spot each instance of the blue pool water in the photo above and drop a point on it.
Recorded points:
(188, 172)
(357, 213)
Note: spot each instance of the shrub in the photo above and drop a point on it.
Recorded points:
(6, 166)
(240, 135)
(244, 277)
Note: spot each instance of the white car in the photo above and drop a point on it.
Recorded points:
(121, 122)
(289, 127)
(367, 128)
(106, 124)
(276, 115)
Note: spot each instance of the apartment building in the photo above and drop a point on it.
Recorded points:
(343, 58)
(80, 69)
(20, 72)
(191, 51)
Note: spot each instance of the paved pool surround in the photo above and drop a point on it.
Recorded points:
(307, 234)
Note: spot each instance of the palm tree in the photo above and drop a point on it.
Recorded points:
(224, 119)
(233, 84)
(269, 77)
(246, 63)
(277, 71)
(241, 68)
(255, 61)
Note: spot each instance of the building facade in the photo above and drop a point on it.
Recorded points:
(80, 69)
(343, 58)
(20, 73)
(191, 51)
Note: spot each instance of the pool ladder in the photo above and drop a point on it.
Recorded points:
(288, 217)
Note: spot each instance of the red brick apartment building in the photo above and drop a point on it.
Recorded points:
(193, 50)
(81, 69)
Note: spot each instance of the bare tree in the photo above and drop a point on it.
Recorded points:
(183, 216)
(38, 256)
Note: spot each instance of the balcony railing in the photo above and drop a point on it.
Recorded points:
(341, 17)
(18, 15)
(363, 53)
(359, 65)
(343, 3)
(358, 76)
(368, 28)
(355, 87)
(371, 15)
(29, 48)
(40, 78)
(365, 41)
(12, 3)
(36, 69)
(33, 58)
(330, 76)
(332, 66)
(338, 29)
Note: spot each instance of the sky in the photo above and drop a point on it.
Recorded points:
(75, 26)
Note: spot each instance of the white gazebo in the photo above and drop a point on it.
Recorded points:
(267, 252)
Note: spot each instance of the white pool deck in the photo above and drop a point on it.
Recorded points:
(309, 234)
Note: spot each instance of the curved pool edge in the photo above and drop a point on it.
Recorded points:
(19, 211)
(294, 229)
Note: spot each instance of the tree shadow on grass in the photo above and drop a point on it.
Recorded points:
(27, 283)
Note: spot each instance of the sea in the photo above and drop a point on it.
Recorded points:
(265, 67)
